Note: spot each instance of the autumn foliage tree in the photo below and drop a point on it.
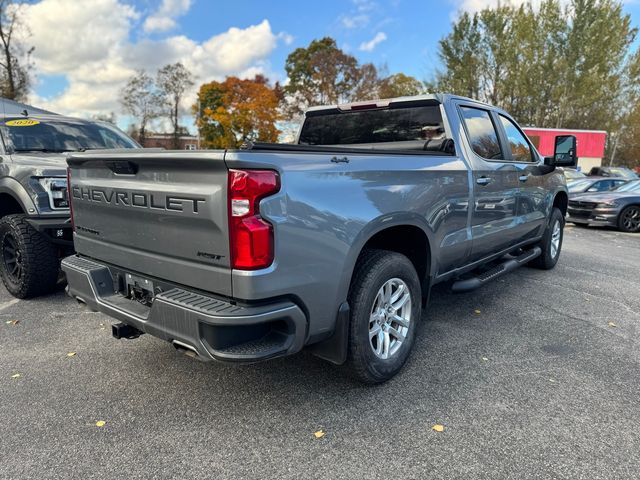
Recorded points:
(323, 74)
(235, 111)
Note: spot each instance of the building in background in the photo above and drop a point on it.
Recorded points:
(591, 144)
(165, 140)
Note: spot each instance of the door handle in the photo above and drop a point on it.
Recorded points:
(483, 181)
(523, 178)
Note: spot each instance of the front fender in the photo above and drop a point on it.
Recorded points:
(11, 186)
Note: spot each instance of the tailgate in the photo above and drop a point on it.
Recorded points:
(161, 214)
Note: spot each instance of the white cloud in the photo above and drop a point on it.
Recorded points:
(164, 18)
(68, 33)
(89, 43)
(354, 21)
(373, 43)
(360, 15)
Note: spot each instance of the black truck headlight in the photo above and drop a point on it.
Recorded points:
(56, 188)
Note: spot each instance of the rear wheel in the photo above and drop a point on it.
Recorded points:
(551, 242)
(385, 304)
(29, 265)
(629, 219)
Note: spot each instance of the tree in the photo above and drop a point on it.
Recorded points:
(173, 81)
(552, 66)
(323, 74)
(400, 85)
(236, 111)
(15, 76)
(142, 100)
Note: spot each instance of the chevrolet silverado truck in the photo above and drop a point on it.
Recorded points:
(35, 228)
(332, 243)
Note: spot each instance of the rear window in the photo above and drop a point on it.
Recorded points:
(413, 125)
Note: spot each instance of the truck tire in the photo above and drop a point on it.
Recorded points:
(29, 265)
(385, 303)
(551, 242)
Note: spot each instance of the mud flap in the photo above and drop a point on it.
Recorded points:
(334, 348)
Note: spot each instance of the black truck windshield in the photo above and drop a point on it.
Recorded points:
(412, 126)
(30, 135)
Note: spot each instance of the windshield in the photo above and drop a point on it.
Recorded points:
(30, 135)
(413, 126)
(630, 187)
(578, 185)
(623, 172)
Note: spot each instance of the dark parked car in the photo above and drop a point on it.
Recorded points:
(619, 208)
(621, 172)
(594, 184)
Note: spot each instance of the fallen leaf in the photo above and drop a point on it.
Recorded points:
(16, 375)
(319, 434)
(438, 428)
(71, 354)
(611, 324)
(485, 359)
(100, 423)
(12, 322)
(477, 312)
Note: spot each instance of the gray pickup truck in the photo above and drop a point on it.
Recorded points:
(332, 243)
(35, 228)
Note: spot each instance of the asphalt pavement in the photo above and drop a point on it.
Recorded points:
(536, 375)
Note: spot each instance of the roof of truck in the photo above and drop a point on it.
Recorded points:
(381, 103)
(11, 107)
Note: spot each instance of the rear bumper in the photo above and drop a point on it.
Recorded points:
(212, 328)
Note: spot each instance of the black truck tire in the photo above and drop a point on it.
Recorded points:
(372, 310)
(30, 264)
(551, 243)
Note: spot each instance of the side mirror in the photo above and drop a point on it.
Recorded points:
(564, 153)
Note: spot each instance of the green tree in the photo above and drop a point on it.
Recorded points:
(400, 85)
(552, 66)
(322, 74)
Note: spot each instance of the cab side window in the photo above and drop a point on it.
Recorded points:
(520, 149)
(482, 133)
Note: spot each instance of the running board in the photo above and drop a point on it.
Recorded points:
(507, 266)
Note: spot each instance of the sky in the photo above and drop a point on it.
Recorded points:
(86, 50)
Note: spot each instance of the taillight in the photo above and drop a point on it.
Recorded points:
(73, 225)
(251, 237)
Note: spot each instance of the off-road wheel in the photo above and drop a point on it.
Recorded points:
(551, 242)
(385, 302)
(29, 265)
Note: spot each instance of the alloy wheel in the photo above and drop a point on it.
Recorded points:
(556, 234)
(390, 318)
(631, 219)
